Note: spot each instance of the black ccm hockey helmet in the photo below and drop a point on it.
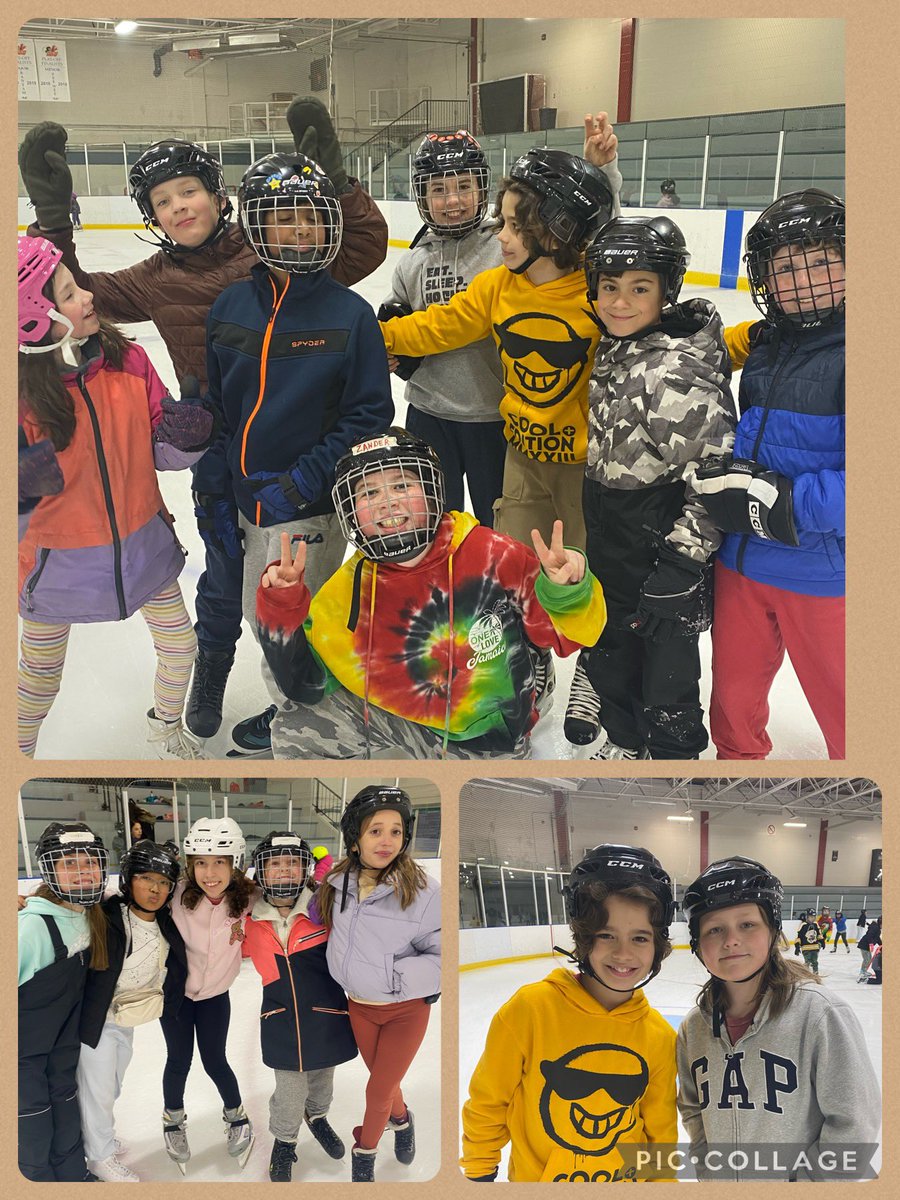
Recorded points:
(731, 881)
(796, 222)
(620, 867)
(295, 184)
(143, 857)
(172, 159)
(575, 195)
(369, 801)
(66, 840)
(446, 156)
(364, 467)
(638, 244)
(274, 846)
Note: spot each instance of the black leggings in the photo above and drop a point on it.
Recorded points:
(209, 1020)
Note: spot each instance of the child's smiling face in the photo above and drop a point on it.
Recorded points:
(734, 942)
(807, 279)
(212, 875)
(452, 199)
(390, 501)
(623, 951)
(184, 210)
(380, 839)
(629, 302)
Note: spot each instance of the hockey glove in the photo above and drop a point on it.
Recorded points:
(217, 521)
(673, 598)
(743, 497)
(46, 174)
(282, 497)
(39, 470)
(407, 364)
(314, 136)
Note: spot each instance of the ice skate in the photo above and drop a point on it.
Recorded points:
(110, 1170)
(281, 1162)
(204, 707)
(544, 680)
(175, 1137)
(239, 1134)
(325, 1135)
(170, 739)
(404, 1137)
(582, 722)
(362, 1168)
(609, 751)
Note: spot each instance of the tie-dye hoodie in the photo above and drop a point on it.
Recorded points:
(443, 643)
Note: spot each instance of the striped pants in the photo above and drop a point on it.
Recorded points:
(43, 655)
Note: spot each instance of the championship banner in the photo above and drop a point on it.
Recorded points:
(53, 73)
(26, 57)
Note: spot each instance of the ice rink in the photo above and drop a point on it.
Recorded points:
(673, 993)
(107, 684)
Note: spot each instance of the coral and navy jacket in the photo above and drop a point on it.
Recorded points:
(443, 643)
(299, 373)
(104, 545)
(304, 1022)
(792, 421)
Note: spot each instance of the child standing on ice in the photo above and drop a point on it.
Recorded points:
(304, 1022)
(769, 1057)
(383, 915)
(579, 1064)
(209, 907)
(102, 546)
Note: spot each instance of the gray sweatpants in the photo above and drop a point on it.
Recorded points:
(336, 728)
(298, 1093)
(325, 549)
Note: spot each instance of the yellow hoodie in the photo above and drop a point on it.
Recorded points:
(546, 335)
(564, 1081)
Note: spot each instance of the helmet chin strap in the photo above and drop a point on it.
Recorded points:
(64, 345)
(531, 260)
(584, 965)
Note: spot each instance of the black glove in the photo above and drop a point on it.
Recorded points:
(46, 174)
(743, 497)
(674, 598)
(315, 137)
(407, 365)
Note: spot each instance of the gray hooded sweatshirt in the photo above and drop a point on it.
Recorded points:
(802, 1078)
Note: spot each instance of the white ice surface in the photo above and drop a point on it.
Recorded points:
(107, 684)
(673, 993)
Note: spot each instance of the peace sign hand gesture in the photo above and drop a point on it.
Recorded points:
(288, 572)
(600, 142)
(560, 564)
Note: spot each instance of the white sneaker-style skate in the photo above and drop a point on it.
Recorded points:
(170, 739)
(609, 751)
(175, 1137)
(110, 1170)
(239, 1133)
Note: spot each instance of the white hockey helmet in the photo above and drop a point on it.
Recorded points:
(217, 837)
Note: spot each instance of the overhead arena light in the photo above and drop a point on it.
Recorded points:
(197, 42)
(123, 28)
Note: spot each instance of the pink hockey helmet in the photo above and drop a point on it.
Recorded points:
(38, 259)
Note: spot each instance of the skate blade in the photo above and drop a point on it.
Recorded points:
(241, 1158)
(182, 1167)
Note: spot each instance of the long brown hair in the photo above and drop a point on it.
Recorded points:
(97, 926)
(237, 893)
(404, 874)
(594, 917)
(780, 977)
(42, 393)
(533, 231)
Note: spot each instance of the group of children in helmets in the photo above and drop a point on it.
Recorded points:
(348, 953)
(550, 365)
(586, 1081)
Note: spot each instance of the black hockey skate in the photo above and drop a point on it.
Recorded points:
(325, 1135)
(204, 708)
(404, 1137)
(281, 1162)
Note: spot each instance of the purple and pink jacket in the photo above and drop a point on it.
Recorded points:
(104, 545)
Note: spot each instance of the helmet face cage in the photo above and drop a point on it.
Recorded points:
(749, 882)
(795, 259)
(404, 511)
(303, 232)
(277, 846)
(78, 847)
(450, 180)
(634, 244)
(143, 858)
(209, 838)
(172, 160)
(370, 801)
(575, 197)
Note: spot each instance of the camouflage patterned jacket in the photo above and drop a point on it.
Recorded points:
(659, 404)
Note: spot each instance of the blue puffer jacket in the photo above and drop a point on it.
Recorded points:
(792, 421)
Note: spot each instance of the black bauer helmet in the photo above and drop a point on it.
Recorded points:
(799, 228)
(75, 842)
(370, 801)
(143, 857)
(653, 244)
(172, 159)
(277, 845)
(576, 196)
(306, 234)
(728, 882)
(392, 534)
(451, 167)
(619, 867)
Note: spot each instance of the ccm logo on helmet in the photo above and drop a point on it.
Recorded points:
(722, 883)
(625, 862)
(794, 221)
